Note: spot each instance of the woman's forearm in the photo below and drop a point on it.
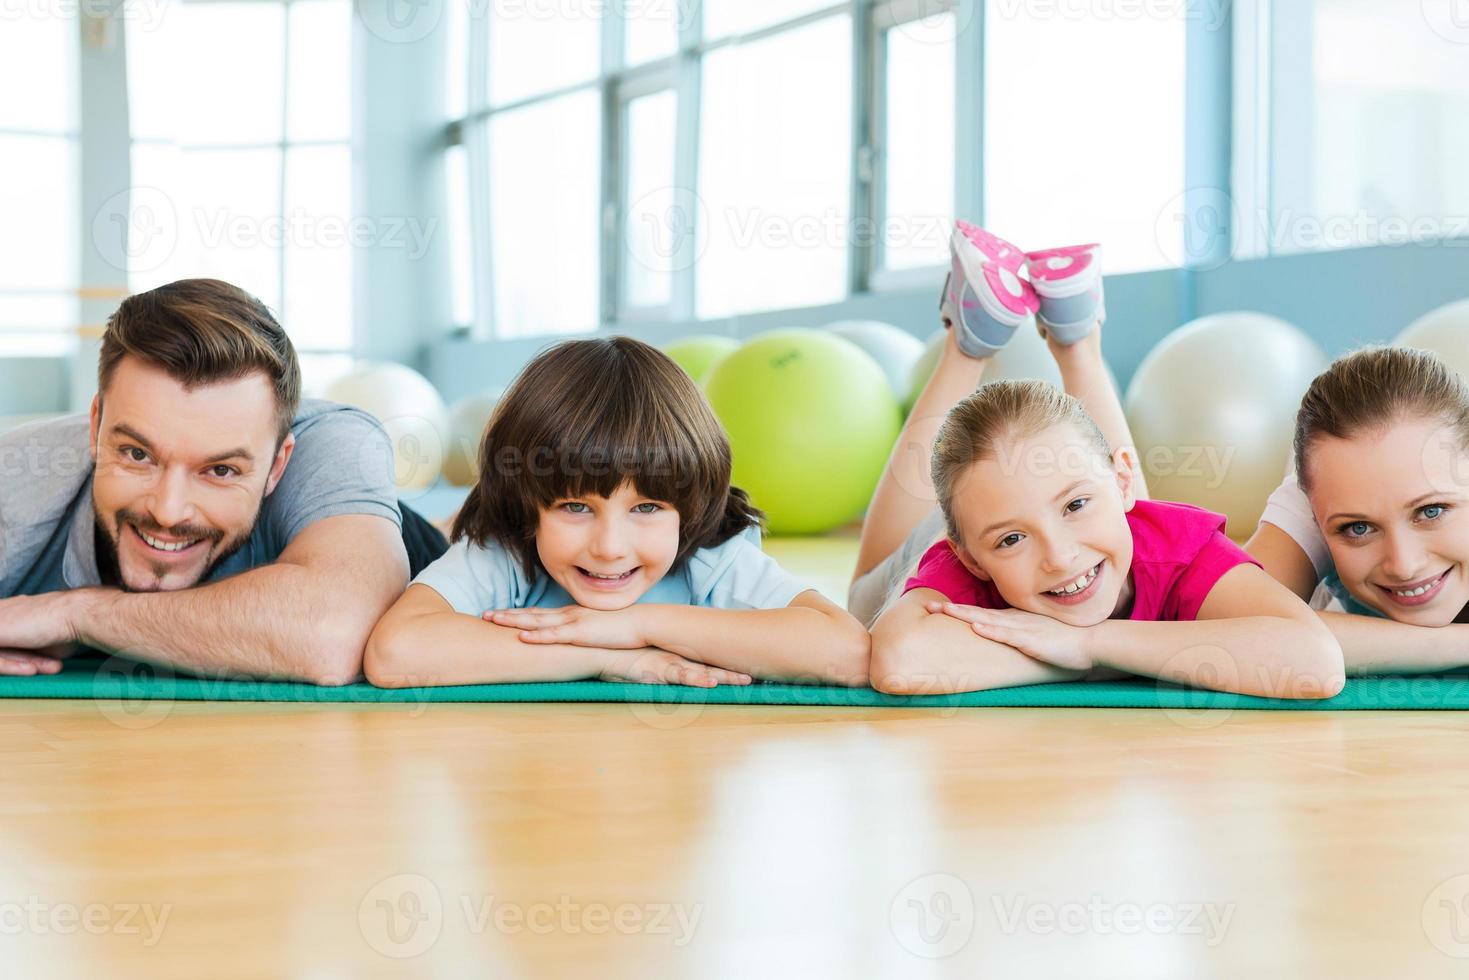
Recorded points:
(1384, 646)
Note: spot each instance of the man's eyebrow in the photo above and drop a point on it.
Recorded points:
(240, 452)
(122, 428)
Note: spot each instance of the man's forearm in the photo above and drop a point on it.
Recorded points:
(278, 622)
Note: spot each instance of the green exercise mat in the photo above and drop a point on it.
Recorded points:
(117, 679)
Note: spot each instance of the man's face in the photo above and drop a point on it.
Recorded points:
(181, 474)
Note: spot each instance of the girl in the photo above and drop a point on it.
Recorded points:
(1373, 511)
(1051, 562)
(603, 540)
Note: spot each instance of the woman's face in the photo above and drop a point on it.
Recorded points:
(1391, 503)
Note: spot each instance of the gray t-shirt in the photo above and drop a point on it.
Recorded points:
(342, 464)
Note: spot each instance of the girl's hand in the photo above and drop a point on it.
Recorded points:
(1038, 637)
(620, 629)
(654, 666)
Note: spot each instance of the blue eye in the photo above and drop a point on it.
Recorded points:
(1355, 529)
(575, 507)
(650, 509)
(1438, 510)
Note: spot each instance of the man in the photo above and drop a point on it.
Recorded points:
(202, 517)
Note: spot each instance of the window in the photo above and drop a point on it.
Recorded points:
(39, 263)
(917, 112)
(682, 159)
(544, 171)
(774, 171)
(1371, 123)
(244, 173)
(1084, 128)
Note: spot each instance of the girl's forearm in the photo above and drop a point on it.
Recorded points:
(1266, 656)
(1384, 646)
(938, 654)
(791, 644)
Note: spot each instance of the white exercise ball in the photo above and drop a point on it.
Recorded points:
(1213, 410)
(1445, 332)
(467, 422)
(412, 411)
(894, 350)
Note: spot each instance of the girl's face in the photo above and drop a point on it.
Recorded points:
(1046, 522)
(1391, 504)
(608, 551)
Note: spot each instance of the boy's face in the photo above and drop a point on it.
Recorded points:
(608, 551)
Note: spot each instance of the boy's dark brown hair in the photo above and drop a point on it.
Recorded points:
(204, 331)
(583, 418)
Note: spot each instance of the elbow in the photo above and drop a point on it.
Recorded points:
(851, 650)
(1317, 668)
(334, 658)
(888, 668)
(383, 660)
(1327, 676)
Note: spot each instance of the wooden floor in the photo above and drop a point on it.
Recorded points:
(508, 840)
(499, 840)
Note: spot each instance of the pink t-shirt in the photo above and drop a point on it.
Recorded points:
(1178, 552)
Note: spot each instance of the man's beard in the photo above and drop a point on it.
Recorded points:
(109, 569)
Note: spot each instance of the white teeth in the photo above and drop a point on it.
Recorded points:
(595, 575)
(1077, 585)
(1412, 592)
(164, 545)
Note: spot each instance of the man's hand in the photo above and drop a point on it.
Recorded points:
(619, 629)
(37, 632)
(1038, 637)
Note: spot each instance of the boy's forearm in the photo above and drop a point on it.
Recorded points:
(791, 644)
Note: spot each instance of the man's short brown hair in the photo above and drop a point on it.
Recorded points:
(202, 332)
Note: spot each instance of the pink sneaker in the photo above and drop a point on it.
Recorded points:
(984, 296)
(1069, 284)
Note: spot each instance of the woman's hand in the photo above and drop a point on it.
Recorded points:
(1038, 637)
(618, 629)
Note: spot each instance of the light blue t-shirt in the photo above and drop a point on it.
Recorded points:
(734, 575)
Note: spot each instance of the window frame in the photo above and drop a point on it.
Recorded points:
(681, 72)
(282, 147)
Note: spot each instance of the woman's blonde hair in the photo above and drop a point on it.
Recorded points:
(1001, 411)
(1374, 387)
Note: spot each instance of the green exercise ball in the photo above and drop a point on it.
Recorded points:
(811, 420)
(699, 353)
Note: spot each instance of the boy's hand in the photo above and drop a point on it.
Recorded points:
(618, 629)
(653, 666)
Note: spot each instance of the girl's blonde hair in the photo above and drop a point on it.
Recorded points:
(1001, 412)
(1374, 387)
(587, 416)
